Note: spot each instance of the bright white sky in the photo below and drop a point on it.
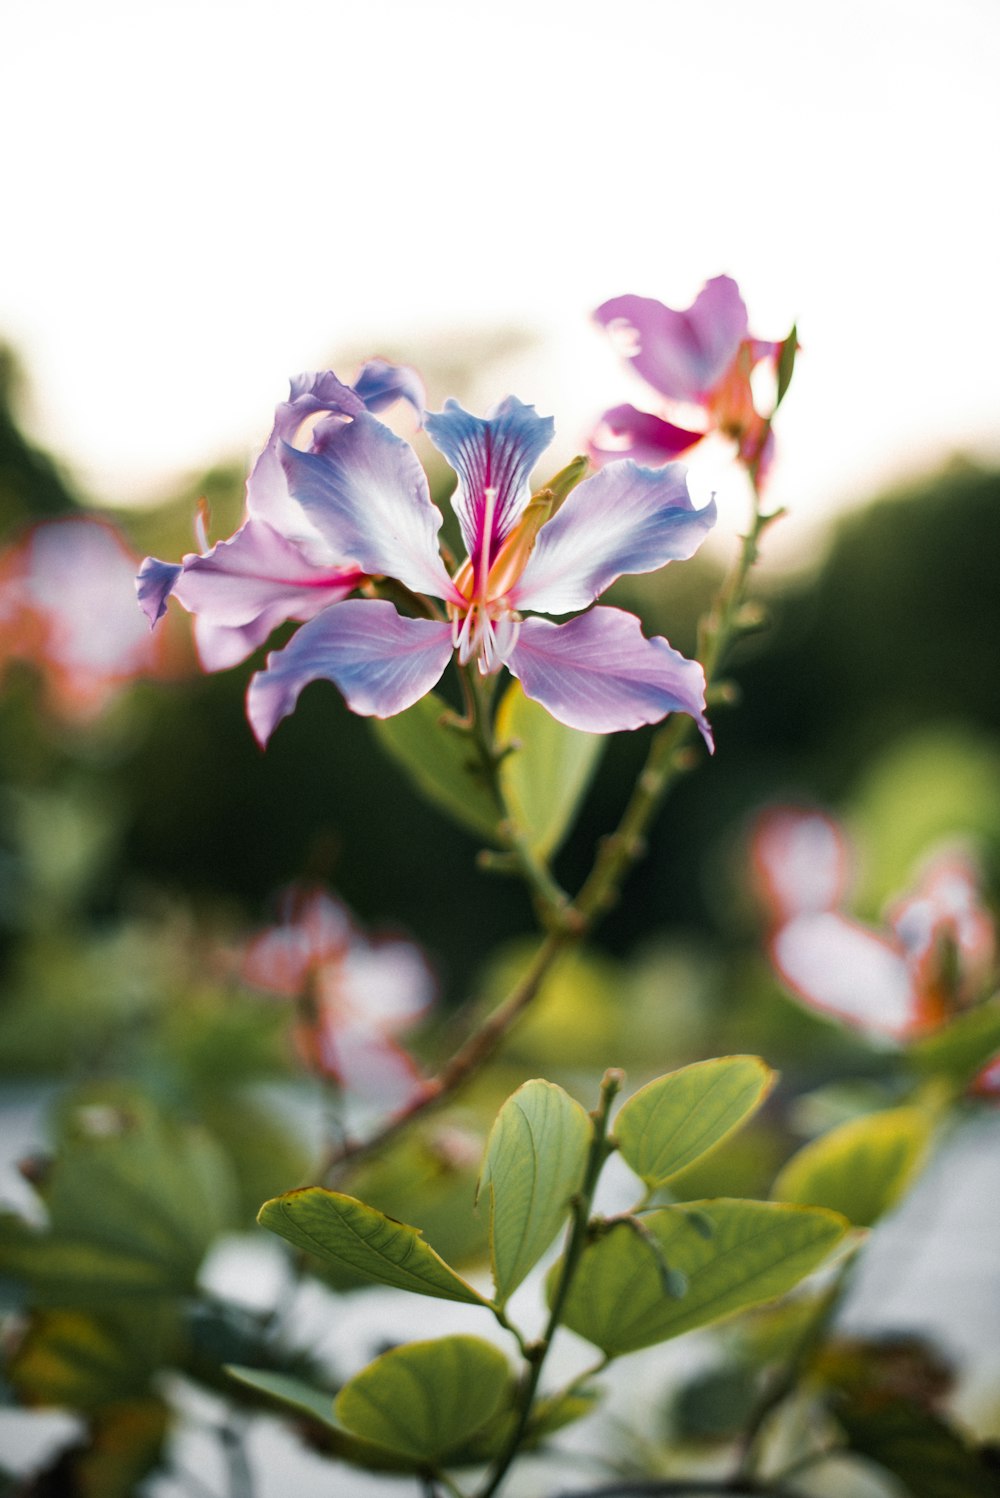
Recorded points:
(204, 198)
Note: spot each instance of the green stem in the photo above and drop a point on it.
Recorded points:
(790, 1376)
(599, 1151)
(550, 898)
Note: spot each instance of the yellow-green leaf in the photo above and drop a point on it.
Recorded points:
(305, 1399)
(670, 1123)
(425, 1399)
(134, 1200)
(535, 1161)
(349, 1234)
(860, 1168)
(732, 1254)
(441, 763)
(547, 774)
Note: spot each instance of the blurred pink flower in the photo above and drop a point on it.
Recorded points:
(702, 359)
(355, 994)
(933, 958)
(67, 607)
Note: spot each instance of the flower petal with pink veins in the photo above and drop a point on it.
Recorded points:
(381, 661)
(625, 519)
(366, 493)
(599, 673)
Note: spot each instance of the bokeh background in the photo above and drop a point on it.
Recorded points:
(201, 200)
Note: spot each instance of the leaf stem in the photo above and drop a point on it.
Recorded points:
(577, 1237)
(787, 1379)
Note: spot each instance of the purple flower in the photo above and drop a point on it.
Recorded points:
(366, 495)
(701, 357)
(277, 566)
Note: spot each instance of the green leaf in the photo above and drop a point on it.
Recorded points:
(546, 776)
(535, 1161)
(860, 1168)
(960, 1047)
(87, 1361)
(786, 364)
(928, 1457)
(670, 1123)
(306, 1399)
(134, 1201)
(425, 1399)
(756, 1251)
(441, 762)
(349, 1234)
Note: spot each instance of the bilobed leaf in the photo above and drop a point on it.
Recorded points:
(928, 1457)
(134, 1200)
(535, 1161)
(425, 1399)
(670, 1123)
(755, 1252)
(306, 1399)
(547, 774)
(860, 1168)
(440, 762)
(347, 1233)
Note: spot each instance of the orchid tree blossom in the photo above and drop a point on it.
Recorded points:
(277, 566)
(701, 357)
(366, 494)
(356, 994)
(933, 958)
(66, 609)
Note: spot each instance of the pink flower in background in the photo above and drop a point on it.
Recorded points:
(702, 359)
(355, 995)
(67, 608)
(933, 958)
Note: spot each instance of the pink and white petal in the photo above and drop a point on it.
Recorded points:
(624, 519)
(683, 355)
(801, 861)
(221, 646)
(492, 455)
(849, 972)
(366, 493)
(625, 432)
(387, 985)
(368, 1064)
(256, 572)
(599, 673)
(325, 923)
(278, 962)
(382, 662)
(316, 930)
